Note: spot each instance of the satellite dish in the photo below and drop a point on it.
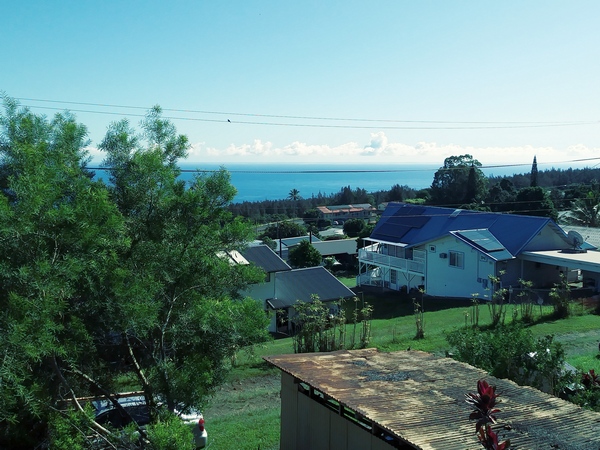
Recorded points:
(540, 301)
(575, 239)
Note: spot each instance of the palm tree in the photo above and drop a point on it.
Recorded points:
(586, 211)
(294, 196)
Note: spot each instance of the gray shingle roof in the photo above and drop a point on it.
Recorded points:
(301, 284)
(265, 258)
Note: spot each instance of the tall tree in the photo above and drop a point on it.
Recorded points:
(534, 173)
(136, 272)
(470, 196)
(294, 195)
(60, 236)
(177, 298)
(450, 182)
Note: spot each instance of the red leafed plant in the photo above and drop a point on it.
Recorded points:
(591, 379)
(489, 439)
(484, 403)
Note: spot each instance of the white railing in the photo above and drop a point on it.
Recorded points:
(407, 265)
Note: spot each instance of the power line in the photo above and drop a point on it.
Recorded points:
(336, 171)
(449, 124)
(230, 113)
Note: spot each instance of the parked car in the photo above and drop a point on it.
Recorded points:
(135, 405)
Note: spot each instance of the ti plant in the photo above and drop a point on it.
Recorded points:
(484, 404)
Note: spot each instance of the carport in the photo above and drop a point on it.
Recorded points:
(566, 260)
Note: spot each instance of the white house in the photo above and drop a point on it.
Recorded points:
(453, 252)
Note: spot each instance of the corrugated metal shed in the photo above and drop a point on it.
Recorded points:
(420, 399)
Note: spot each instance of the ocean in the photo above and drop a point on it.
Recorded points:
(257, 182)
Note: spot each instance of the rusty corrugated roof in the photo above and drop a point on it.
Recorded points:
(420, 398)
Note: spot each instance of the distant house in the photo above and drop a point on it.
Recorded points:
(341, 213)
(369, 400)
(343, 250)
(284, 286)
(453, 252)
(285, 244)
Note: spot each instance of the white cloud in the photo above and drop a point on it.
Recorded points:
(378, 149)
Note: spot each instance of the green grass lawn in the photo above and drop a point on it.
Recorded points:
(245, 413)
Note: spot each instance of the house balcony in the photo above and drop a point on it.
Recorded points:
(416, 266)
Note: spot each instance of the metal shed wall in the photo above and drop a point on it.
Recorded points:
(306, 424)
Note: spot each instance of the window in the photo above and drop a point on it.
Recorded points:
(432, 248)
(393, 276)
(457, 259)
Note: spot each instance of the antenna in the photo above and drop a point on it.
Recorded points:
(576, 240)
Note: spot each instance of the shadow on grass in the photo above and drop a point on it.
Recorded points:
(388, 304)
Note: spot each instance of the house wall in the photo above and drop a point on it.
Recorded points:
(542, 275)
(547, 239)
(513, 270)
(306, 424)
(444, 280)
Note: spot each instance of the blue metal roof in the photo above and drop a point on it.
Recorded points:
(412, 225)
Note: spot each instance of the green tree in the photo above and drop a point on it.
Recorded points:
(177, 299)
(471, 195)
(294, 195)
(451, 181)
(90, 274)
(534, 174)
(285, 229)
(397, 193)
(353, 227)
(305, 255)
(585, 211)
(535, 201)
(60, 236)
(365, 233)
(502, 196)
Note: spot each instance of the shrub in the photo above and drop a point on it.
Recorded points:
(319, 328)
(510, 351)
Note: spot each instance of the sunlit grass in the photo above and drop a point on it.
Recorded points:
(245, 429)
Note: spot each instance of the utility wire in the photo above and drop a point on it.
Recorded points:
(195, 111)
(458, 126)
(334, 171)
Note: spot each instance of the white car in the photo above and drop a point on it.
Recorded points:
(135, 405)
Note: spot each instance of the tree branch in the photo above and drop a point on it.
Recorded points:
(110, 398)
(78, 406)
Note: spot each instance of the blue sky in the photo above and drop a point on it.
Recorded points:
(501, 80)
